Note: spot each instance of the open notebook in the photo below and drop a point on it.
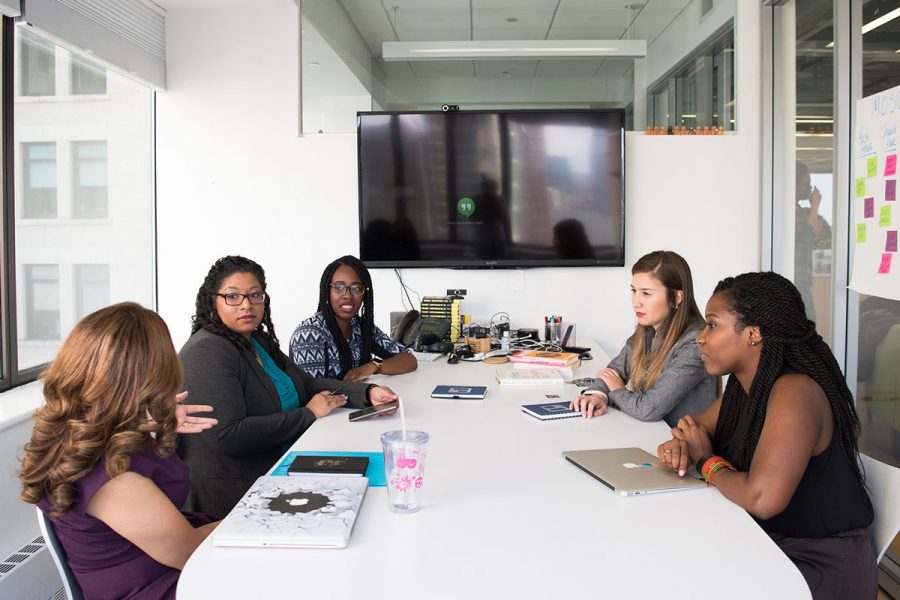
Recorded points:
(294, 512)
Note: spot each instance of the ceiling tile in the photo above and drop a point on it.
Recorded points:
(480, 5)
(526, 18)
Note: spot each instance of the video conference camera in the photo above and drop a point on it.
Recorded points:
(450, 107)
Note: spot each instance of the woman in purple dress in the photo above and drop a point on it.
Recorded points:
(101, 461)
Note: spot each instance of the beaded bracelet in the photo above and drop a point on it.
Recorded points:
(712, 466)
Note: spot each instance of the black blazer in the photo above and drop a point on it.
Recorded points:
(226, 459)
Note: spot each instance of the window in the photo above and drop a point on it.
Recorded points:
(699, 91)
(41, 302)
(87, 77)
(91, 289)
(80, 244)
(39, 180)
(89, 177)
(37, 72)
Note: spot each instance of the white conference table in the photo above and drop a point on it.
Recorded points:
(505, 516)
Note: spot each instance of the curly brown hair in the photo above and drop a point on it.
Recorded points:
(109, 392)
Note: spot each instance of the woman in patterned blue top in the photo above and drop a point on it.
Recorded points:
(341, 340)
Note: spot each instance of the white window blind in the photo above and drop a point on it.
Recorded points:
(127, 34)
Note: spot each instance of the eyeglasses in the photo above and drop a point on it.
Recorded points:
(357, 289)
(234, 299)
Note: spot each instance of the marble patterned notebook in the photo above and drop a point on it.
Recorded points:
(294, 512)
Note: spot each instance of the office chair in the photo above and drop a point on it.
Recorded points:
(883, 482)
(70, 584)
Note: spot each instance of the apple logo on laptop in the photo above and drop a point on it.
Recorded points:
(631, 465)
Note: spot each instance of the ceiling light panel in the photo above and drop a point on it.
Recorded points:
(513, 49)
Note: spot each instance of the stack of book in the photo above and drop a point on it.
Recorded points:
(444, 307)
(539, 376)
(564, 362)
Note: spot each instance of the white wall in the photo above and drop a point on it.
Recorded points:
(234, 177)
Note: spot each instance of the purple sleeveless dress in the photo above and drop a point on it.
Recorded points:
(106, 565)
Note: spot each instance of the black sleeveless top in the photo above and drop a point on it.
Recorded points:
(827, 500)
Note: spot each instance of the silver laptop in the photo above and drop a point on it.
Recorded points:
(630, 471)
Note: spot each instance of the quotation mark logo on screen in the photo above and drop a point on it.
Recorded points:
(466, 207)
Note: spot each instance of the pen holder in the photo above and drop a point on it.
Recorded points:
(551, 333)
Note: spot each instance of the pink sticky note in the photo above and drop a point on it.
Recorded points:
(890, 244)
(890, 164)
(885, 266)
(890, 189)
(869, 209)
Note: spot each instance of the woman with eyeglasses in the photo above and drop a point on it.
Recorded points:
(263, 401)
(341, 340)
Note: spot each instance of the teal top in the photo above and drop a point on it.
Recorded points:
(283, 384)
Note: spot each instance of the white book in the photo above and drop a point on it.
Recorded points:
(565, 372)
(529, 377)
(294, 512)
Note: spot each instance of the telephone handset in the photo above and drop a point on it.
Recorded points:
(415, 331)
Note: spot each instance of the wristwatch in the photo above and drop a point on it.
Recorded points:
(378, 362)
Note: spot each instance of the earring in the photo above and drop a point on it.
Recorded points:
(752, 342)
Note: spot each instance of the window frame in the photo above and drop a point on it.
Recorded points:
(11, 374)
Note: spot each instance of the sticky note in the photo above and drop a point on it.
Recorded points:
(891, 244)
(869, 208)
(884, 216)
(860, 187)
(885, 266)
(872, 166)
(890, 189)
(860, 233)
(890, 164)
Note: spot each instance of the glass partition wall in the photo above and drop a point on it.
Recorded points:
(685, 77)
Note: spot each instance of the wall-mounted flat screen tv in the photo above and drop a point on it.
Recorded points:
(488, 189)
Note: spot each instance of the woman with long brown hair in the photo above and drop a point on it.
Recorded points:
(101, 460)
(658, 374)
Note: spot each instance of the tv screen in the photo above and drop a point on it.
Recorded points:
(492, 189)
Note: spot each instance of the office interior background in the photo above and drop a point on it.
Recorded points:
(143, 140)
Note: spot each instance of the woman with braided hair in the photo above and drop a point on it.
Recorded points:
(782, 441)
(263, 401)
(341, 340)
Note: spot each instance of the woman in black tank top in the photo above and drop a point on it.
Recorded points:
(782, 441)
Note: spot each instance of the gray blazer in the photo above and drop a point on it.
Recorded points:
(683, 387)
(252, 431)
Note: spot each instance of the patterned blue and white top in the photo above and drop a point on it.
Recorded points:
(313, 348)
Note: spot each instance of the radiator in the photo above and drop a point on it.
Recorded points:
(29, 574)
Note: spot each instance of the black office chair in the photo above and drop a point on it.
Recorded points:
(70, 584)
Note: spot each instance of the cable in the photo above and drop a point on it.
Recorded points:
(406, 289)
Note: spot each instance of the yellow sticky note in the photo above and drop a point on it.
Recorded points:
(872, 166)
(860, 187)
(860, 233)
(884, 216)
